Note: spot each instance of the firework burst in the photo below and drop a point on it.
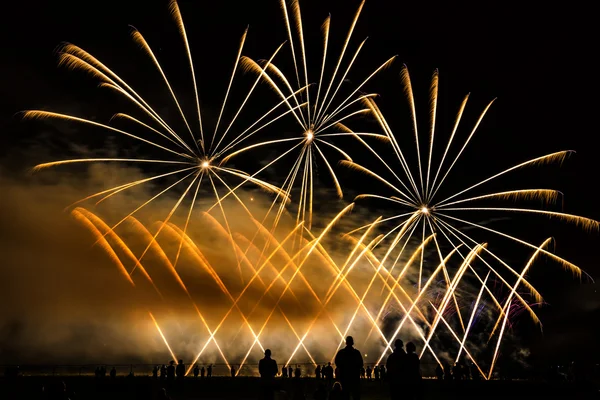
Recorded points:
(196, 157)
(317, 111)
(432, 220)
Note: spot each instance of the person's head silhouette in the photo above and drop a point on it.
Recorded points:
(268, 353)
(180, 361)
(398, 344)
(410, 347)
(329, 364)
(171, 362)
(349, 341)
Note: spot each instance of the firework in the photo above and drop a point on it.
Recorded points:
(316, 110)
(426, 216)
(197, 156)
(278, 286)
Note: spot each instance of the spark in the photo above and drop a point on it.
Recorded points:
(436, 218)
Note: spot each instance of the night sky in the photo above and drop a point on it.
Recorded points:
(536, 60)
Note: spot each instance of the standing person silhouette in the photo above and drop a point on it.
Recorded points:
(233, 371)
(413, 373)
(180, 370)
(328, 373)
(349, 362)
(196, 371)
(171, 371)
(202, 372)
(396, 370)
(209, 371)
(267, 367)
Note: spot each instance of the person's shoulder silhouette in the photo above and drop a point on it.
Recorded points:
(267, 367)
(349, 361)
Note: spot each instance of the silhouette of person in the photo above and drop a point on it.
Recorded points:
(413, 372)
(318, 372)
(202, 372)
(329, 372)
(465, 371)
(163, 372)
(171, 371)
(209, 371)
(290, 371)
(113, 373)
(180, 370)
(447, 371)
(267, 367)
(284, 372)
(456, 372)
(363, 372)
(369, 373)
(196, 371)
(297, 372)
(349, 361)
(321, 392)
(233, 371)
(376, 372)
(439, 372)
(382, 372)
(396, 369)
(155, 372)
(336, 392)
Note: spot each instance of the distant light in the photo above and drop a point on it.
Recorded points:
(365, 355)
(251, 198)
(309, 135)
(425, 210)
(205, 164)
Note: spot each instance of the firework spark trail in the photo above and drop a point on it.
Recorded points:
(204, 263)
(435, 218)
(241, 294)
(103, 243)
(154, 244)
(377, 272)
(333, 289)
(162, 336)
(318, 115)
(203, 158)
(271, 239)
(101, 226)
(441, 317)
(453, 284)
(313, 245)
(447, 296)
(462, 344)
(391, 289)
(509, 302)
(533, 291)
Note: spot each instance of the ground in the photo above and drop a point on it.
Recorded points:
(249, 388)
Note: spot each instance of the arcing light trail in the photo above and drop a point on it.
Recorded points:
(317, 112)
(424, 278)
(416, 188)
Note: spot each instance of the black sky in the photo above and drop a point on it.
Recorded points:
(538, 60)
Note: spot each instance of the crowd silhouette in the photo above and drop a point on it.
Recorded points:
(342, 379)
